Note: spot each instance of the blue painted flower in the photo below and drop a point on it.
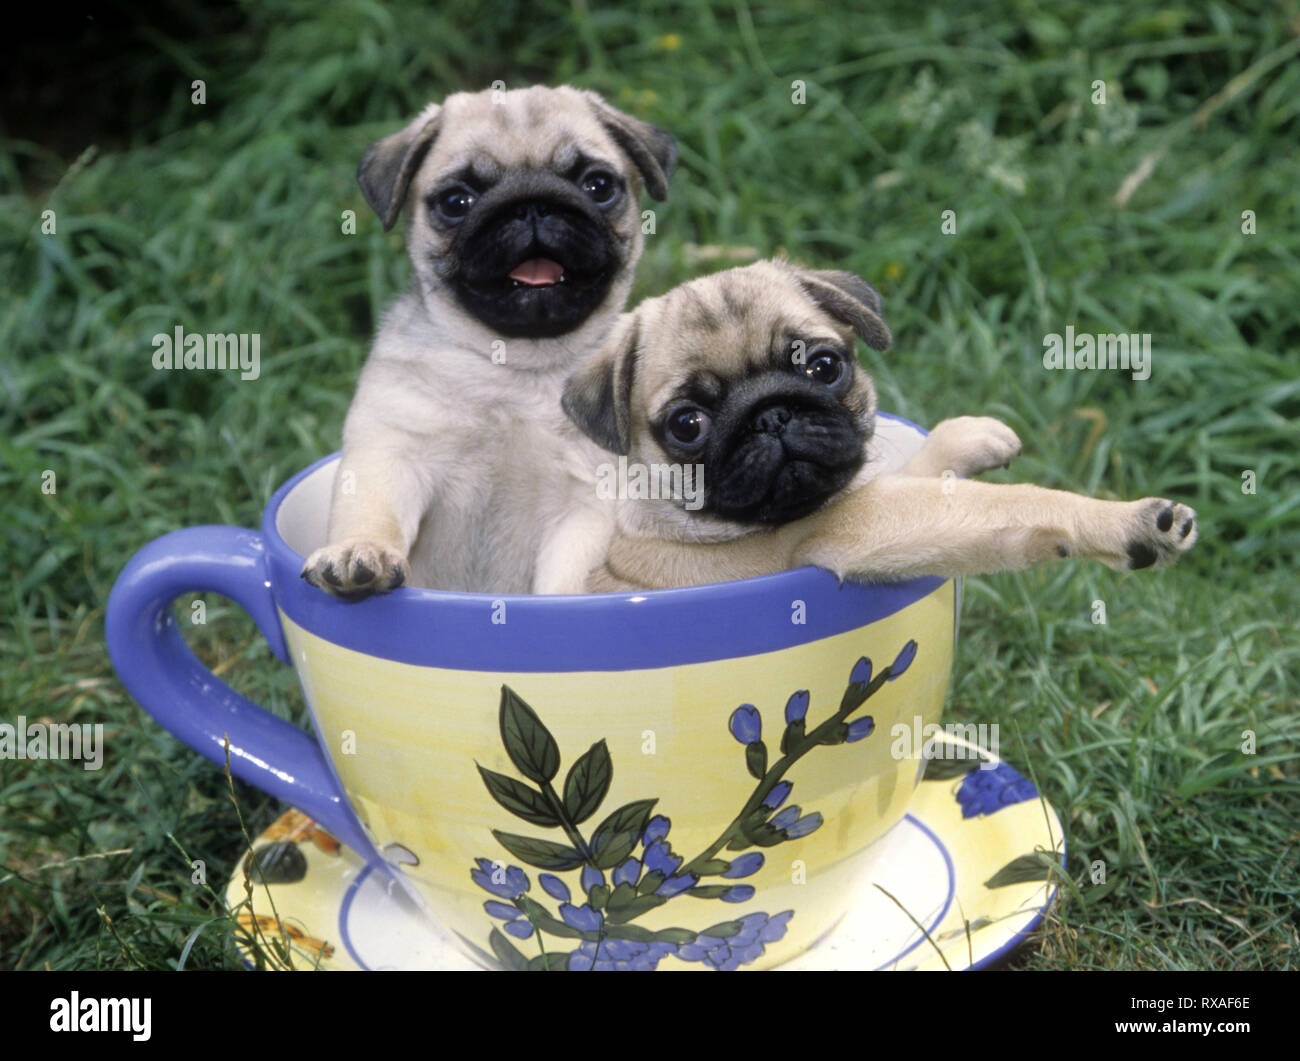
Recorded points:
(656, 829)
(738, 893)
(794, 823)
(745, 865)
(506, 882)
(987, 791)
(591, 878)
(629, 872)
(676, 885)
(553, 886)
(903, 661)
(660, 859)
(860, 727)
(787, 817)
(747, 945)
(796, 707)
(780, 792)
(515, 922)
(809, 823)
(746, 724)
(861, 672)
(619, 954)
(583, 918)
(502, 910)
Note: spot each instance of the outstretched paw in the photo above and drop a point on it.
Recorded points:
(1163, 530)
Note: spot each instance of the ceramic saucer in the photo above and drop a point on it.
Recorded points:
(963, 879)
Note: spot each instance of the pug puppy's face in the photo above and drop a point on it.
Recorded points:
(524, 206)
(748, 377)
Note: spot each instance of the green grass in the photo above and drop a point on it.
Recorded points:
(227, 218)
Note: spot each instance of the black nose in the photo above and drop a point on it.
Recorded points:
(530, 210)
(771, 420)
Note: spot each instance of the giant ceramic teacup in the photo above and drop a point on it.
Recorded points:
(679, 779)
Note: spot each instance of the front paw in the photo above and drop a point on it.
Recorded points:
(356, 568)
(970, 445)
(1162, 530)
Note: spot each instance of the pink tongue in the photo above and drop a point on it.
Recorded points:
(537, 272)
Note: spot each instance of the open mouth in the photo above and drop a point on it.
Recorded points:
(532, 284)
(536, 272)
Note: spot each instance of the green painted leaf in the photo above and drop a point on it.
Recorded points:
(651, 882)
(620, 897)
(1019, 870)
(555, 927)
(854, 697)
(533, 910)
(756, 758)
(550, 962)
(793, 734)
(598, 896)
(755, 819)
(757, 831)
(518, 798)
(587, 783)
(544, 922)
(544, 854)
(766, 836)
(634, 909)
(678, 935)
(615, 837)
(709, 891)
(507, 953)
(527, 741)
(723, 929)
(713, 867)
(636, 932)
(947, 769)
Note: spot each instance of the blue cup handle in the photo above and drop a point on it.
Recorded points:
(159, 670)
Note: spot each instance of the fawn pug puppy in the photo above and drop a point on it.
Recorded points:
(749, 380)
(524, 228)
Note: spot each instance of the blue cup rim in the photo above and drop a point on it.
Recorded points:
(612, 631)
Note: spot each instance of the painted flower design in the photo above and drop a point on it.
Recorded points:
(619, 955)
(988, 791)
(508, 882)
(746, 724)
(625, 865)
(747, 944)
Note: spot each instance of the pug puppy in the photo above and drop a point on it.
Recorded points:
(523, 228)
(747, 381)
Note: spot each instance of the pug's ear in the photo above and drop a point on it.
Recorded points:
(653, 150)
(387, 167)
(850, 299)
(598, 396)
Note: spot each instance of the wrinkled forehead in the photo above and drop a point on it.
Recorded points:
(728, 326)
(537, 127)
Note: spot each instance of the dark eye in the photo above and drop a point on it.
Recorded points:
(688, 426)
(454, 203)
(825, 366)
(601, 185)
